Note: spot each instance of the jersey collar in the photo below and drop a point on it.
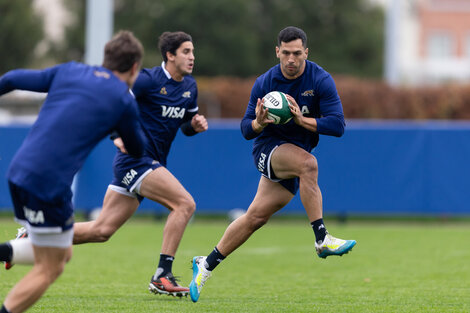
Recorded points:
(166, 72)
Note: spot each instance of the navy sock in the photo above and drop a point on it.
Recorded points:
(214, 259)
(319, 229)
(165, 265)
(6, 252)
(4, 310)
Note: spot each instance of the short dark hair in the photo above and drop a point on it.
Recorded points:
(122, 52)
(291, 33)
(171, 41)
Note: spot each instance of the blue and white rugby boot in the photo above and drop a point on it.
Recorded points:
(333, 246)
(200, 275)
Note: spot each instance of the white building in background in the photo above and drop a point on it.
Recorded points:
(21, 106)
(427, 41)
(56, 19)
(99, 25)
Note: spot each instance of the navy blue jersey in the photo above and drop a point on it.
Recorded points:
(84, 104)
(164, 104)
(316, 95)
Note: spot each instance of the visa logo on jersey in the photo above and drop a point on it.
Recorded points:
(173, 112)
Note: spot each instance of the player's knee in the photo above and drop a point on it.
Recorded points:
(310, 166)
(104, 233)
(52, 272)
(99, 230)
(256, 221)
(187, 206)
(59, 270)
(68, 255)
(191, 207)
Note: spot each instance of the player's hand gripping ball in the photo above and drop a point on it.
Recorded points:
(278, 107)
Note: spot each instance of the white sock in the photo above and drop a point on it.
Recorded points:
(23, 252)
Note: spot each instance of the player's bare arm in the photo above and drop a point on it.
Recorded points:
(309, 123)
(199, 123)
(262, 119)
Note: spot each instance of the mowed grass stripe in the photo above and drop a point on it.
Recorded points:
(395, 267)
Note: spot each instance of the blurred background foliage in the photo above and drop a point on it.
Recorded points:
(231, 37)
(235, 42)
(21, 31)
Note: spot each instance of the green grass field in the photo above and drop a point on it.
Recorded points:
(395, 267)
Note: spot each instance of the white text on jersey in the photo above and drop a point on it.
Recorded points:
(173, 112)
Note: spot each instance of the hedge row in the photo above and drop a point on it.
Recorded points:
(227, 97)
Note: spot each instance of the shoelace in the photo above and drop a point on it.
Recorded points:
(21, 233)
(174, 280)
(334, 243)
(205, 274)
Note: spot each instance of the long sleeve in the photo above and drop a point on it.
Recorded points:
(247, 129)
(130, 131)
(250, 114)
(331, 121)
(186, 127)
(23, 79)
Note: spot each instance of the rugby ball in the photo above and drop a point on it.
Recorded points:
(278, 107)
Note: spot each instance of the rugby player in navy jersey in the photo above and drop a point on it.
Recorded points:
(282, 152)
(84, 105)
(167, 99)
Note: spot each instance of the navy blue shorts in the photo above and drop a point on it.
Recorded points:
(42, 216)
(129, 173)
(262, 153)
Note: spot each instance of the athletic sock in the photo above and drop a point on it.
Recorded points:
(164, 266)
(319, 229)
(214, 259)
(4, 310)
(6, 252)
(23, 252)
